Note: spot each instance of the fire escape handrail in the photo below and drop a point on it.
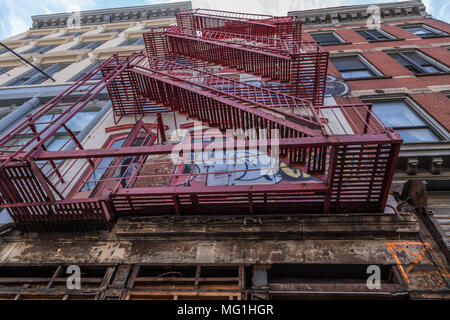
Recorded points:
(295, 102)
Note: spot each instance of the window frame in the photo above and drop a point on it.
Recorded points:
(432, 61)
(4, 70)
(381, 31)
(372, 69)
(435, 127)
(336, 36)
(32, 73)
(436, 33)
(131, 42)
(79, 75)
(78, 187)
(87, 43)
(37, 49)
(118, 30)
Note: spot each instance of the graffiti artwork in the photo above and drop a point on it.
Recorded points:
(246, 167)
(419, 265)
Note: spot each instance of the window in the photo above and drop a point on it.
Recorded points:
(35, 77)
(132, 42)
(87, 45)
(39, 49)
(81, 74)
(424, 31)
(353, 67)
(400, 116)
(119, 30)
(375, 35)
(418, 63)
(123, 169)
(32, 37)
(327, 38)
(125, 43)
(102, 166)
(4, 217)
(74, 34)
(60, 138)
(4, 70)
(3, 51)
(139, 42)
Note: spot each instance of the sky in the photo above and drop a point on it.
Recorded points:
(15, 15)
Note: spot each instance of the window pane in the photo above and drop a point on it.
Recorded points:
(126, 43)
(416, 30)
(101, 168)
(18, 143)
(81, 74)
(414, 62)
(372, 34)
(326, 38)
(4, 217)
(420, 31)
(377, 34)
(81, 120)
(139, 42)
(57, 143)
(417, 135)
(348, 63)
(117, 144)
(356, 74)
(397, 114)
(97, 174)
(431, 69)
(416, 58)
(44, 121)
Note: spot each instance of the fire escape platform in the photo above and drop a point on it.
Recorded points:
(318, 159)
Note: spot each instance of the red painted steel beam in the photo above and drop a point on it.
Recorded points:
(205, 19)
(78, 105)
(236, 105)
(274, 48)
(194, 190)
(260, 97)
(250, 144)
(48, 106)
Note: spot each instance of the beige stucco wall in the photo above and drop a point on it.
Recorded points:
(80, 58)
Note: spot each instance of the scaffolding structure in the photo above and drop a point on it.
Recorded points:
(332, 159)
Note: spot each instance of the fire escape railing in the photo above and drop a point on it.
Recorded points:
(344, 155)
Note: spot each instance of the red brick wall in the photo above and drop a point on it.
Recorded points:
(436, 104)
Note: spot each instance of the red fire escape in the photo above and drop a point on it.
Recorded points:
(334, 159)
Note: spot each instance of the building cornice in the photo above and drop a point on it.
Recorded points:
(104, 16)
(337, 16)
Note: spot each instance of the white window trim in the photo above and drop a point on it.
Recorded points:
(433, 125)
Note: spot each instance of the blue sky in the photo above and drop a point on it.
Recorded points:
(15, 15)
